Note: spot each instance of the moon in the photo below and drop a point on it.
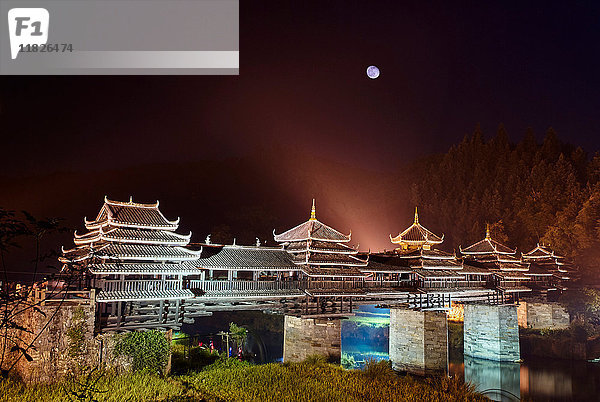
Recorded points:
(372, 72)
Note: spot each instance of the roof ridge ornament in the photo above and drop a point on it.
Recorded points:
(313, 211)
(416, 215)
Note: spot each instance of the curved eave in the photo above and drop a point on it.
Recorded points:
(148, 242)
(280, 240)
(427, 257)
(146, 258)
(66, 260)
(424, 232)
(238, 268)
(337, 264)
(437, 267)
(142, 272)
(81, 240)
(484, 252)
(398, 240)
(311, 250)
(111, 222)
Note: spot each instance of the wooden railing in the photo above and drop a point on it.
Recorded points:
(45, 296)
(141, 285)
(334, 285)
(241, 286)
(389, 284)
(453, 284)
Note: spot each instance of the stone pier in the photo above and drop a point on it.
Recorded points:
(418, 341)
(538, 315)
(303, 337)
(492, 332)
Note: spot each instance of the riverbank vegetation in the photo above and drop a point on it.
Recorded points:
(228, 379)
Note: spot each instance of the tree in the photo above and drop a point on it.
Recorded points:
(238, 334)
(16, 340)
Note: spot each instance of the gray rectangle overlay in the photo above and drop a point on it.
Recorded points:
(148, 37)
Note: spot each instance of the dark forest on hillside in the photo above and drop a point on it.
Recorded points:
(527, 192)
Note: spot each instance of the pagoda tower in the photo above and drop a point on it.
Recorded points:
(137, 259)
(416, 237)
(321, 251)
(416, 247)
(511, 273)
(544, 259)
(493, 254)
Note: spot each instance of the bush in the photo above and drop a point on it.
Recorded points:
(381, 369)
(149, 350)
(316, 360)
(347, 361)
(194, 358)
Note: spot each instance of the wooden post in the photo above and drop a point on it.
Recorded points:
(160, 311)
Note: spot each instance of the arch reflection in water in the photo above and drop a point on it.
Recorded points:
(499, 381)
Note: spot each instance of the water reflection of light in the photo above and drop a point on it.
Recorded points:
(550, 383)
(456, 369)
(541, 378)
(524, 376)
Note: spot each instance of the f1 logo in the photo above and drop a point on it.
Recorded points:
(28, 26)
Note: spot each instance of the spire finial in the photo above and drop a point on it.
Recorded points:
(131, 199)
(416, 215)
(487, 231)
(313, 212)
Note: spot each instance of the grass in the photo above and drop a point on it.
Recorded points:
(231, 380)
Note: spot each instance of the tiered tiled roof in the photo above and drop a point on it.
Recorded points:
(487, 246)
(493, 255)
(547, 259)
(125, 235)
(319, 250)
(131, 215)
(541, 252)
(129, 238)
(249, 258)
(141, 252)
(417, 235)
(128, 268)
(429, 259)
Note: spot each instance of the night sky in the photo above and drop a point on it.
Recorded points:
(302, 119)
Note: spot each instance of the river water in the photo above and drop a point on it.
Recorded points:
(366, 335)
